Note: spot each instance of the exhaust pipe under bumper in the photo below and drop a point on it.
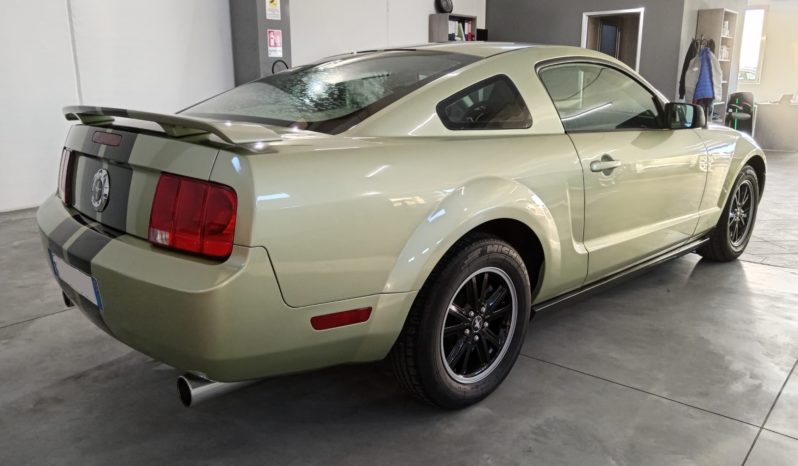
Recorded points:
(194, 389)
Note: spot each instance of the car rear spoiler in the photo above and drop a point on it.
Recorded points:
(231, 132)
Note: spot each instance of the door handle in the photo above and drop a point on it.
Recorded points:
(606, 165)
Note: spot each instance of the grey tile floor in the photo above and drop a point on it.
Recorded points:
(691, 363)
(775, 237)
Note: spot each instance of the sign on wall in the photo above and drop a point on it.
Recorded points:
(273, 10)
(275, 39)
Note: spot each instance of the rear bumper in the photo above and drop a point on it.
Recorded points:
(227, 321)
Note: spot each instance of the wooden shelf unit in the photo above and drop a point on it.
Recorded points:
(710, 25)
(440, 30)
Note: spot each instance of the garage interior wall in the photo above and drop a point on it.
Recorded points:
(780, 62)
(37, 78)
(320, 29)
(559, 22)
(147, 54)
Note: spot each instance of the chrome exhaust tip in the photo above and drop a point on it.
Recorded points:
(194, 389)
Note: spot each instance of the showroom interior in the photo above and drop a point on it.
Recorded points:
(692, 361)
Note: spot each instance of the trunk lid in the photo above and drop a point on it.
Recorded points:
(131, 169)
(114, 170)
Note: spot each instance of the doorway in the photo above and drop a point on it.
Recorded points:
(617, 33)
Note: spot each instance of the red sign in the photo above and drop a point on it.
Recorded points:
(275, 39)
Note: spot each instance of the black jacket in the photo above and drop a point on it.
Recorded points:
(692, 52)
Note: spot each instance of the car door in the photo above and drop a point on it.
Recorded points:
(643, 183)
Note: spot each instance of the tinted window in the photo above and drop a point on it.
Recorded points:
(494, 103)
(598, 98)
(334, 95)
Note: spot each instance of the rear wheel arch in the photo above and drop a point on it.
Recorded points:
(514, 232)
(500, 206)
(523, 239)
(757, 162)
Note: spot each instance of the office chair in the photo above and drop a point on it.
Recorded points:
(740, 112)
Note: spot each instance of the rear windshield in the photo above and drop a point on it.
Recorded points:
(331, 96)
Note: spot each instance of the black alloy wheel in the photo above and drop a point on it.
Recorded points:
(741, 213)
(467, 324)
(479, 323)
(736, 224)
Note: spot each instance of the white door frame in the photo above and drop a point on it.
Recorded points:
(586, 17)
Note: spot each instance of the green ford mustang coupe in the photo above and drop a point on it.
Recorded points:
(418, 204)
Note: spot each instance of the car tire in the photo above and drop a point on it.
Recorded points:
(733, 231)
(476, 301)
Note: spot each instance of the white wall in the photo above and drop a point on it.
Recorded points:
(780, 63)
(152, 54)
(322, 28)
(37, 79)
(145, 54)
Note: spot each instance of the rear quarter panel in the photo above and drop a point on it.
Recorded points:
(367, 216)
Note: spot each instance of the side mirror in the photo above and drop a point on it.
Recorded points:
(680, 115)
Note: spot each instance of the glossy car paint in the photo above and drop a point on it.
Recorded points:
(330, 223)
(534, 175)
(626, 217)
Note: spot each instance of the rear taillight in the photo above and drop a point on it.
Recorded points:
(64, 174)
(193, 216)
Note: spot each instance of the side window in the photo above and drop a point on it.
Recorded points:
(494, 103)
(598, 98)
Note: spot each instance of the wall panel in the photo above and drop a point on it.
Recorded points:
(320, 29)
(152, 54)
(37, 79)
(560, 22)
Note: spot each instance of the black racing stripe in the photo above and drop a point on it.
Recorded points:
(120, 153)
(83, 176)
(81, 252)
(99, 228)
(124, 112)
(120, 177)
(86, 145)
(115, 213)
(67, 228)
(51, 245)
(64, 231)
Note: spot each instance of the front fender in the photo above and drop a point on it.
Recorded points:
(464, 209)
(727, 152)
(745, 149)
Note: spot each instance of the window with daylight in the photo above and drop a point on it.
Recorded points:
(753, 46)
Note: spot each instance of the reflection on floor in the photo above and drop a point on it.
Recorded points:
(689, 363)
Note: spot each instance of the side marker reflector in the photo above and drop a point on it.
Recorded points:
(340, 319)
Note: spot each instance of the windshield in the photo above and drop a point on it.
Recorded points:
(334, 95)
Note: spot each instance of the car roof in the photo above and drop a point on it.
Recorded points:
(483, 50)
(480, 49)
(489, 49)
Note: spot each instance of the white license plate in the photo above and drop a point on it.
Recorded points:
(84, 284)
